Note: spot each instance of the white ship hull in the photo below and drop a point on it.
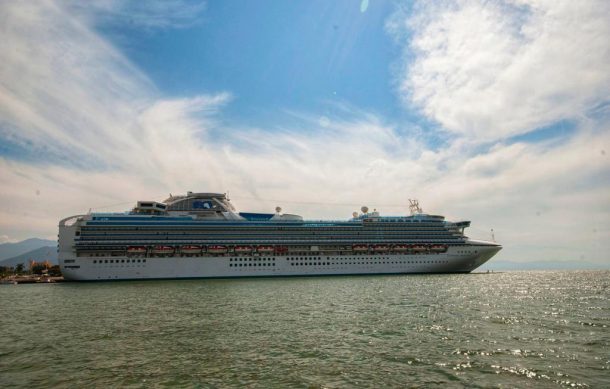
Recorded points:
(459, 259)
(201, 236)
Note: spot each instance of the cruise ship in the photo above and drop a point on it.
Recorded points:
(201, 235)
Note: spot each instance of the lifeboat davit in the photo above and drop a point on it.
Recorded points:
(400, 248)
(265, 249)
(217, 249)
(360, 247)
(281, 249)
(162, 250)
(190, 249)
(242, 249)
(136, 250)
(419, 248)
(380, 248)
(438, 248)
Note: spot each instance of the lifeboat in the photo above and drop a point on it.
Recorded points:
(217, 249)
(400, 248)
(136, 250)
(360, 247)
(419, 248)
(438, 248)
(242, 249)
(162, 250)
(281, 249)
(380, 248)
(190, 249)
(265, 249)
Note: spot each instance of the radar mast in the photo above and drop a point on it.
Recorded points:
(414, 207)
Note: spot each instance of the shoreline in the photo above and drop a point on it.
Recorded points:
(30, 279)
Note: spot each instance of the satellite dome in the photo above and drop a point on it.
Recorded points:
(355, 214)
(278, 209)
(364, 209)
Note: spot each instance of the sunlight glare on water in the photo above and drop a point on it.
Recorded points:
(517, 329)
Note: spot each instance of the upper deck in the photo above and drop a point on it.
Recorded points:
(215, 209)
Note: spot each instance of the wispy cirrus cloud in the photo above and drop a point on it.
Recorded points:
(152, 15)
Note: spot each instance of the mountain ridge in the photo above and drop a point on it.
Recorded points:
(41, 254)
(10, 250)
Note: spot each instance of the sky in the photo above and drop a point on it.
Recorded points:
(496, 112)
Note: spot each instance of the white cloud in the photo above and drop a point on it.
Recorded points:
(82, 98)
(5, 239)
(489, 70)
(152, 14)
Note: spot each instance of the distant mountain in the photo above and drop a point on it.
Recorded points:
(543, 265)
(9, 250)
(41, 254)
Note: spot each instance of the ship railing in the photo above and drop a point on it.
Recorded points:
(70, 220)
(122, 244)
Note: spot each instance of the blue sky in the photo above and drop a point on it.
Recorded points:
(492, 111)
(275, 56)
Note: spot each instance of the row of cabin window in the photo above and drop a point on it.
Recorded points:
(250, 259)
(119, 261)
(348, 258)
(362, 263)
(155, 229)
(250, 264)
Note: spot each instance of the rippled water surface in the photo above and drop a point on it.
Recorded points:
(517, 329)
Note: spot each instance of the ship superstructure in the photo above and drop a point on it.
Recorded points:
(201, 235)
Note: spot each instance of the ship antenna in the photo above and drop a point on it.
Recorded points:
(493, 237)
(414, 207)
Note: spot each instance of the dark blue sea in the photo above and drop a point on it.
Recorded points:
(540, 329)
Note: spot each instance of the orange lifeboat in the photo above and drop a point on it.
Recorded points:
(136, 250)
(242, 249)
(360, 248)
(438, 248)
(162, 250)
(380, 248)
(419, 248)
(217, 249)
(400, 248)
(265, 249)
(190, 249)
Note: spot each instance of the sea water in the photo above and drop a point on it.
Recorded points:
(514, 329)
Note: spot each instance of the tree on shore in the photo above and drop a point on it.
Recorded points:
(38, 268)
(54, 271)
(19, 268)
